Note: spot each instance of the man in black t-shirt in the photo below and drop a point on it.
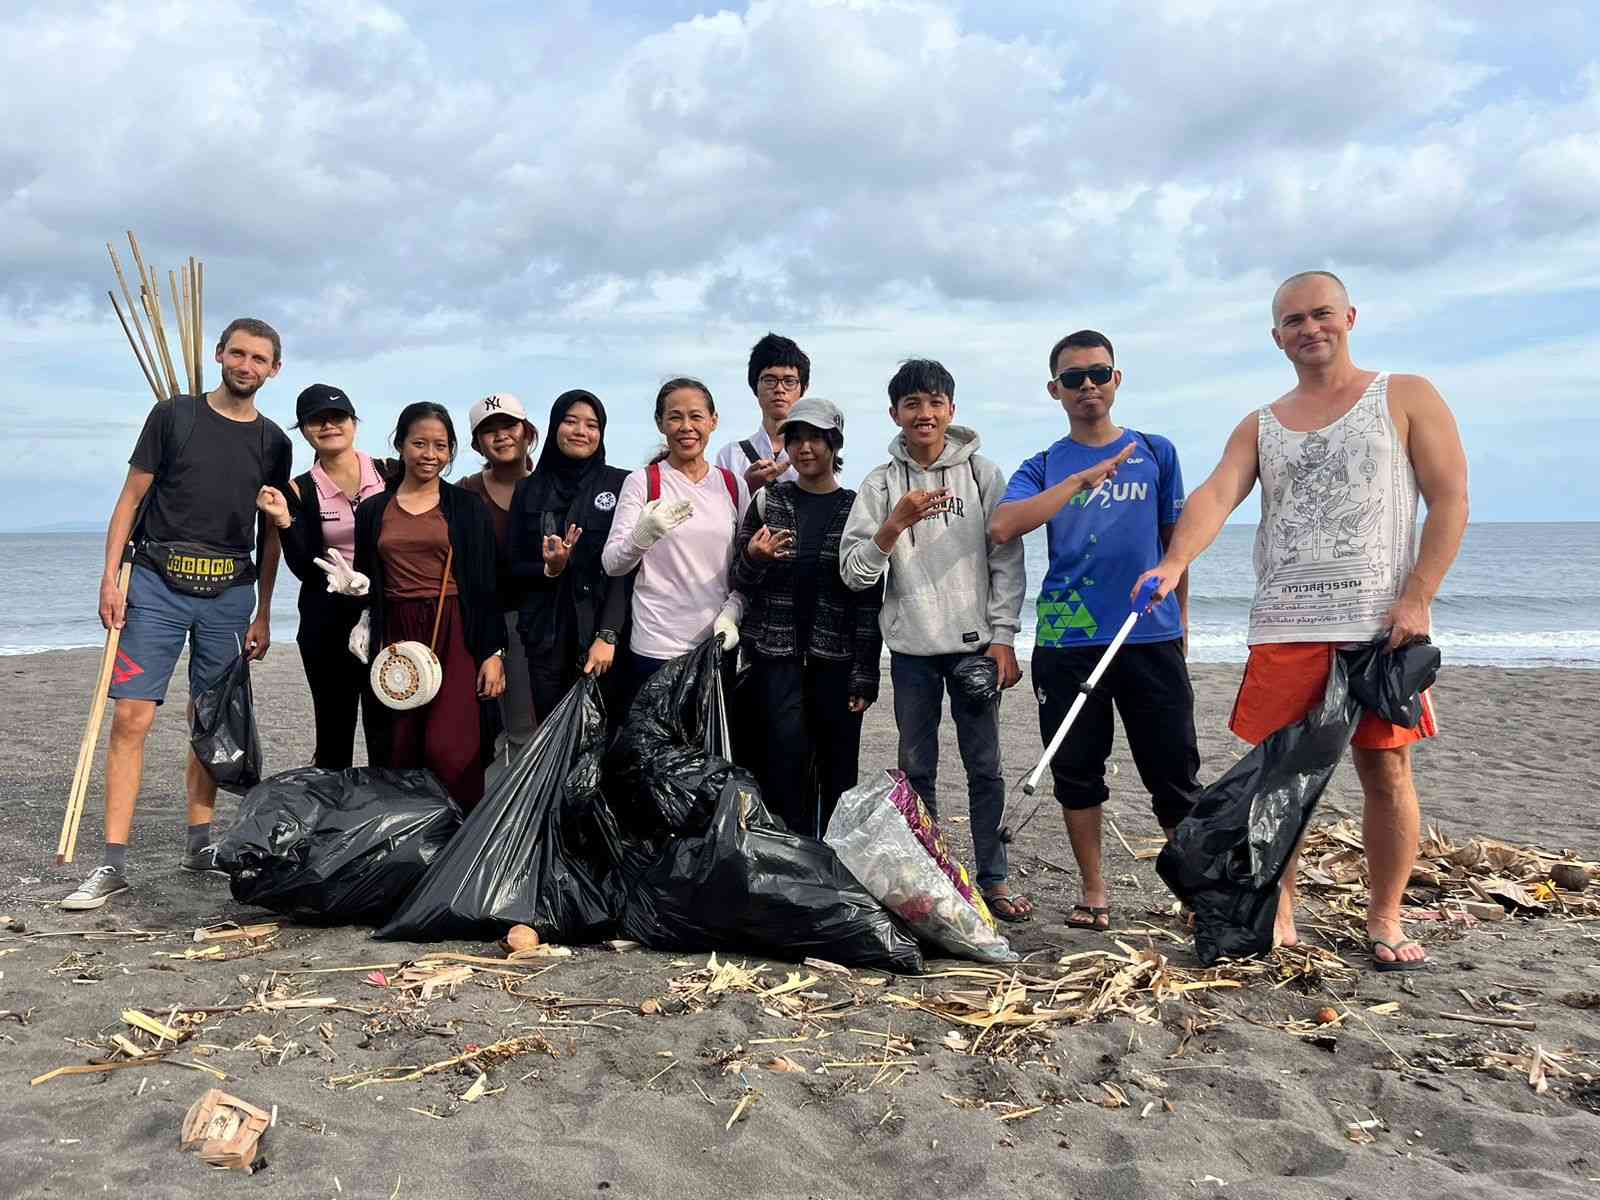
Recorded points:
(189, 505)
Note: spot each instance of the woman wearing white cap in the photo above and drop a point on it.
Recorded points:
(813, 644)
(318, 515)
(502, 433)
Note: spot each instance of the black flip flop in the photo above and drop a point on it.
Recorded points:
(1093, 923)
(999, 906)
(1397, 963)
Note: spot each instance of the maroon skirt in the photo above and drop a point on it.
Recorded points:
(445, 734)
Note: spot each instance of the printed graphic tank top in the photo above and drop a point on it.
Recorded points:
(1338, 529)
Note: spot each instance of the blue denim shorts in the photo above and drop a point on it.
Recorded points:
(158, 624)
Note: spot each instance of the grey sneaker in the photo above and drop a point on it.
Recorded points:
(202, 862)
(94, 891)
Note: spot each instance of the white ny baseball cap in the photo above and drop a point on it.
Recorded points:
(500, 404)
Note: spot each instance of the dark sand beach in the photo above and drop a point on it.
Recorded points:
(1214, 1091)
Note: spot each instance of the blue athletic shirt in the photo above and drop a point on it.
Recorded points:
(1103, 540)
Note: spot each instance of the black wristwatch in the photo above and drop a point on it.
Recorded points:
(606, 636)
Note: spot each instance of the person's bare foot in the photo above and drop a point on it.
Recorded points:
(1390, 944)
(1283, 931)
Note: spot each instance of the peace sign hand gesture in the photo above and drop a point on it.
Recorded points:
(558, 550)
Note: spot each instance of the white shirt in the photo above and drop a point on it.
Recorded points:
(733, 457)
(682, 582)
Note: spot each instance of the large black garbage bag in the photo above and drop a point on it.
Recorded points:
(705, 865)
(670, 761)
(748, 884)
(343, 846)
(224, 730)
(1226, 858)
(536, 851)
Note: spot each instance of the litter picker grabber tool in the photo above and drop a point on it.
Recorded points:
(1141, 605)
(154, 356)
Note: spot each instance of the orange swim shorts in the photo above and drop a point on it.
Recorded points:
(1283, 681)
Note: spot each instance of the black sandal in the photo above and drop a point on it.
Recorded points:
(1074, 922)
(1005, 907)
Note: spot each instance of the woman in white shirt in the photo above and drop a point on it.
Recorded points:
(675, 526)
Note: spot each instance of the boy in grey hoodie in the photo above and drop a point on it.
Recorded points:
(952, 595)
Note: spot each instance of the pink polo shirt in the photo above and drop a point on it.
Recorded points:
(338, 511)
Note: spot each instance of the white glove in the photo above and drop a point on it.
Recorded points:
(342, 578)
(361, 635)
(726, 626)
(659, 518)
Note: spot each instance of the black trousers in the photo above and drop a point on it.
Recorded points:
(807, 742)
(338, 682)
(1149, 684)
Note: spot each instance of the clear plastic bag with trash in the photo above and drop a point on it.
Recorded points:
(885, 835)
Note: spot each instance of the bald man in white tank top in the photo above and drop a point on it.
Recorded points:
(1342, 459)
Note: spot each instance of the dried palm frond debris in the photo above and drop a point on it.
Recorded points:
(1476, 880)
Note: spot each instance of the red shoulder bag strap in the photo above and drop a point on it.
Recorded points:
(652, 484)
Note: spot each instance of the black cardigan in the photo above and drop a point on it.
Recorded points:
(583, 598)
(324, 615)
(472, 540)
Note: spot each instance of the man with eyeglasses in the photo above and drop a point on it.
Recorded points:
(1343, 458)
(779, 374)
(1110, 496)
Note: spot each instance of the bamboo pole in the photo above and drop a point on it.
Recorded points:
(149, 378)
(133, 311)
(67, 845)
(158, 320)
(200, 319)
(152, 308)
(180, 302)
(194, 321)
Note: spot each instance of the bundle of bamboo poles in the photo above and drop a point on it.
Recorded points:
(153, 352)
(186, 293)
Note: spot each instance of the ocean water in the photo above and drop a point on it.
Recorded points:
(1518, 596)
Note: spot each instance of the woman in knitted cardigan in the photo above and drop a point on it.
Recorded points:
(813, 644)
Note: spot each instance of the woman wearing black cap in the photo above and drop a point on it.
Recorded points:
(317, 516)
(572, 611)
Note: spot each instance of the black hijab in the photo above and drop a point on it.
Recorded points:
(558, 479)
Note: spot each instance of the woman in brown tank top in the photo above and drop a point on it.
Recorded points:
(404, 540)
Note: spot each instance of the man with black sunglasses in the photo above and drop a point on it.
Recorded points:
(1110, 497)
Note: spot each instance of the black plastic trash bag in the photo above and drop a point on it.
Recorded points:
(747, 884)
(537, 850)
(342, 846)
(705, 865)
(977, 679)
(670, 762)
(224, 733)
(1226, 858)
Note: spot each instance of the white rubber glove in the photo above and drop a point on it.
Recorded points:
(726, 626)
(659, 518)
(342, 578)
(361, 635)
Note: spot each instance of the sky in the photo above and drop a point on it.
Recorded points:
(438, 202)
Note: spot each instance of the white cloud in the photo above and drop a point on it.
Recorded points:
(549, 189)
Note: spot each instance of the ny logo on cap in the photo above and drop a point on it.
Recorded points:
(491, 403)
